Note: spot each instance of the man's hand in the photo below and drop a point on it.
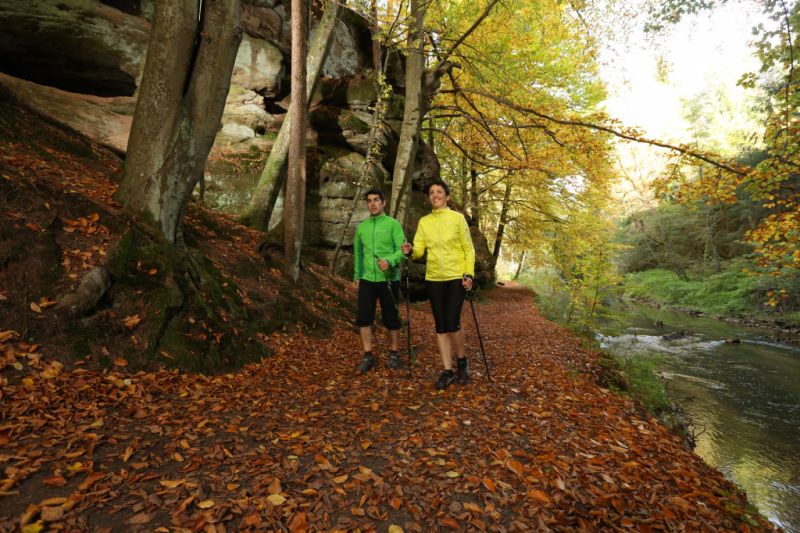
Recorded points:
(383, 264)
(407, 248)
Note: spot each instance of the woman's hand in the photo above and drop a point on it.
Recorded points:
(383, 264)
(466, 282)
(407, 248)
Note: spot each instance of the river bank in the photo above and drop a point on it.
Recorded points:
(741, 399)
(735, 294)
(779, 330)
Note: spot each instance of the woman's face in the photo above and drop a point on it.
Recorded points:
(437, 197)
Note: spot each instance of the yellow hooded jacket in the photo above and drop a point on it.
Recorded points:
(444, 234)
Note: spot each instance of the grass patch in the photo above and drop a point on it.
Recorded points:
(731, 292)
(642, 382)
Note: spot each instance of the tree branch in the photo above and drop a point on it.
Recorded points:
(599, 127)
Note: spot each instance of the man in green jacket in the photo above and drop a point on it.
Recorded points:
(377, 251)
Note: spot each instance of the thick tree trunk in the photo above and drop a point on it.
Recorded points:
(413, 113)
(185, 83)
(267, 189)
(474, 205)
(463, 188)
(294, 208)
(501, 227)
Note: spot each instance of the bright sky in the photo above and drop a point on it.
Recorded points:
(708, 49)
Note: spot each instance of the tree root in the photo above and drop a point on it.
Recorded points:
(90, 291)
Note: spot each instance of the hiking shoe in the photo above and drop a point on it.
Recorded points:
(462, 372)
(446, 378)
(366, 364)
(394, 360)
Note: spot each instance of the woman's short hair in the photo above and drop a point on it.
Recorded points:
(438, 182)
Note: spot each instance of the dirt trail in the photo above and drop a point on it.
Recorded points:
(298, 442)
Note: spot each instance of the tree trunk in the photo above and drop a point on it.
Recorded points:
(519, 267)
(412, 113)
(501, 227)
(463, 182)
(376, 37)
(474, 207)
(186, 79)
(267, 189)
(294, 208)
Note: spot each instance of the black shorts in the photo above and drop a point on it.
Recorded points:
(447, 298)
(369, 292)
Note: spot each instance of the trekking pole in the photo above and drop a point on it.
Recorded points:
(408, 315)
(394, 302)
(480, 340)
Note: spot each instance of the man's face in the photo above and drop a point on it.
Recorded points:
(375, 204)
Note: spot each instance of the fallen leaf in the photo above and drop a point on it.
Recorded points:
(395, 529)
(539, 496)
(450, 522)
(141, 518)
(275, 486)
(452, 474)
(35, 527)
(120, 361)
(516, 467)
(206, 504)
(473, 507)
(131, 321)
(171, 484)
(91, 479)
(51, 514)
(55, 481)
(7, 334)
(340, 479)
(276, 499)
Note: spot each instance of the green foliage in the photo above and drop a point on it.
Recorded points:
(640, 380)
(731, 292)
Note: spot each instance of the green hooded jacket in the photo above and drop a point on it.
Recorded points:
(378, 237)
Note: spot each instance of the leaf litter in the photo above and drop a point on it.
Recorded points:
(295, 443)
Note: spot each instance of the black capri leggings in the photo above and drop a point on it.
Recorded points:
(446, 298)
(368, 294)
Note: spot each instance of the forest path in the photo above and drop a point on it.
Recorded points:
(298, 442)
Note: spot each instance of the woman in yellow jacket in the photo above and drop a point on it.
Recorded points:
(444, 235)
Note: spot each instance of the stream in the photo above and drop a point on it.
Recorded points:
(741, 398)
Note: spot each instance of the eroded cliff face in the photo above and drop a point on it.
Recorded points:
(78, 63)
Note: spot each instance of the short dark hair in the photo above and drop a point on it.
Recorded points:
(438, 182)
(374, 191)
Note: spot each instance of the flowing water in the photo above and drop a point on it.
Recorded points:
(742, 398)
